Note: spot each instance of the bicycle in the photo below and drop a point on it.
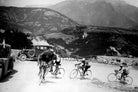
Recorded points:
(58, 72)
(78, 70)
(117, 77)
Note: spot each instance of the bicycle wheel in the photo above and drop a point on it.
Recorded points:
(88, 74)
(73, 73)
(129, 80)
(111, 77)
(60, 73)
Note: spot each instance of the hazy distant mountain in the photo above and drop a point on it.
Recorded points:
(38, 21)
(116, 13)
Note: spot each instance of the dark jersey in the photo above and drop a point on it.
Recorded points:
(57, 62)
(47, 56)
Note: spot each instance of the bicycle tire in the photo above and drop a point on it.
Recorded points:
(73, 73)
(129, 80)
(111, 77)
(60, 73)
(88, 74)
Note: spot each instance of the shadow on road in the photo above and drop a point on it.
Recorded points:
(114, 85)
(54, 77)
(46, 82)
(8, 76)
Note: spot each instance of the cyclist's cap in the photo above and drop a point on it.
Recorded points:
(83, 58)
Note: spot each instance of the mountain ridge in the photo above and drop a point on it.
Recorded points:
(114, 13)
(35, 20)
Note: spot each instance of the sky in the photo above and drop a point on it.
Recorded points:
(22, 3)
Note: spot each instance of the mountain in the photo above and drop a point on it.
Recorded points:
(96, 40)
(112, 13)
(37, 21)
(71, 37)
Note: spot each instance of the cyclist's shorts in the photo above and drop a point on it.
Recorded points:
(87, 67)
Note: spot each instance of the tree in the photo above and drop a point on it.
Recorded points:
(16, 38)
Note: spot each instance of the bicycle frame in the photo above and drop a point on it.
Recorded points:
(79, 69)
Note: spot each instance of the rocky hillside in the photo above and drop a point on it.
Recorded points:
(113, 13)
(37, 21)
(96, 40)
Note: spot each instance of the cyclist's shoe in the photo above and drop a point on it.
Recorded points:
(119, 78)
(82, 77)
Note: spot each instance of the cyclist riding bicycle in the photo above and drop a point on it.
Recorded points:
(123, 70)
(45, 59)
(57, 64)
(87, 66)
(84, 66)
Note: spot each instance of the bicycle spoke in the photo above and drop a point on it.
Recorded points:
(129, 80)
(111, 77)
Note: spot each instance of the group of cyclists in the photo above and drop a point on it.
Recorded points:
(51, 59)
(48, 59)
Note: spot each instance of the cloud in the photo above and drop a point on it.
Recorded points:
(28, 2)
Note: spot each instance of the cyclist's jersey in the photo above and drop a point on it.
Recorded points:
(47, 56)
(83, 63)
(58, 62)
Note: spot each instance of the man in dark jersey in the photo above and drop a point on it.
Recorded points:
(45, 59)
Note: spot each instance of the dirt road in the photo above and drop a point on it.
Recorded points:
(25, 79)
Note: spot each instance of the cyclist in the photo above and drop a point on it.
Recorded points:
(57, 64)
(81, 64)
(53, 59)
(45, 59)
(84, 66)
(123, 70)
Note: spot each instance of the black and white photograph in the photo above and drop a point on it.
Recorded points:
(68, 45)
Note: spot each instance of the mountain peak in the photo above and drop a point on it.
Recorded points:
(114, 13)
(99, 0)
(38, 21)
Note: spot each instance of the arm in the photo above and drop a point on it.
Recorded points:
(77, 64)
(121, 67)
